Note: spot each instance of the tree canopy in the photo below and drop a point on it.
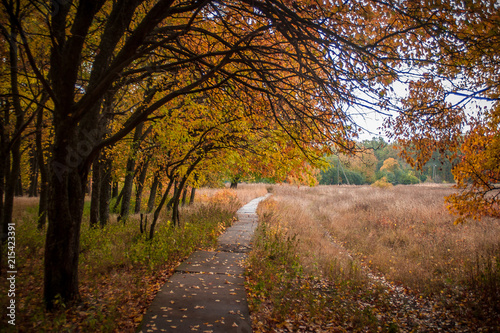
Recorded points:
(454, 106)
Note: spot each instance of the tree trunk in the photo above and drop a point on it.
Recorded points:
(5, 164)
(117, 202)
(3, 227)
(105, 191)
(12, 174)
(102, 183)
(158, 210)
(152, 194)
(19, 190)
(127, 190)
(4, 167)
(170, 203)
(184, 195)
(193, 191)
(175, 205)
(66, 198)
(129, 177)
(191, 198)
(177, 194)
(42, 206)
(76, 137)
(96, 192)
(140, 187)
(33, 189)
(114, 192)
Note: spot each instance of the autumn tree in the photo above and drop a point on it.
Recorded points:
(23, 112)
(453, 107)
(390, 165)
(478, 172)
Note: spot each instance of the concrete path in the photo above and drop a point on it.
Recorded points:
(207, 291)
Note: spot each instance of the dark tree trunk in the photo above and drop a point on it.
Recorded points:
(101, 185)
(152, 194)
(234, 184)
(14, 169)
(43, 201)
(68, 179)
(170, 203)
(117, 202)
(5, 169)
(191, 197)
(127, 190)
(105, 191)
(158, 210)
(19, 191)
(33, 189)
(42, 206)
(96, 192)
(175, 205)
(184, 195)
(129, 177)
(114, 193)
(179, 187)
(3, 227)
(140, 187)
(76, 138)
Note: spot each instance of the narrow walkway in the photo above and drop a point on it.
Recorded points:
(207, 292)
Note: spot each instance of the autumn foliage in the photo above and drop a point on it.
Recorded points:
(174, 94)
(478, 172)
(453, 107)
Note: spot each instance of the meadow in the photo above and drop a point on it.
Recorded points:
(325, 259)
(366, 259)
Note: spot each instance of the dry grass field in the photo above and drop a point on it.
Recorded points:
(245, 192)
(401, 242)
(325, 259)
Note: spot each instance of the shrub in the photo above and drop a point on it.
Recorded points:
(382, 183)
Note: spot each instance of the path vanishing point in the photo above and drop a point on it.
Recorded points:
(207, 291)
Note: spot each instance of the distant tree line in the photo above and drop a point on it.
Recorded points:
(379, 159)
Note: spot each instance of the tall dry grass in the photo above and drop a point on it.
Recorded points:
(404, 233)
(244, 192)
(293, 214)
(360, 258)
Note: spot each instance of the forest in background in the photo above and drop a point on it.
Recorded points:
(378, 160)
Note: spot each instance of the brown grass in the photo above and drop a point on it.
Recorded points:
(319, 254)
(244, 192)
(24, 207)
(403, 233)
